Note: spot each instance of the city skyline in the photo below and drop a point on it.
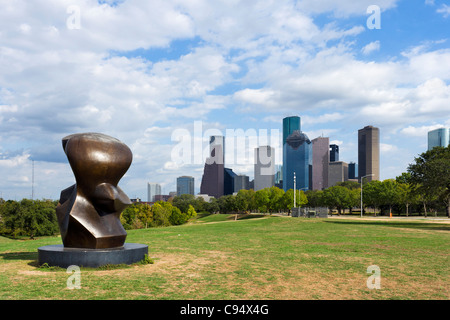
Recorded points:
(140, 70)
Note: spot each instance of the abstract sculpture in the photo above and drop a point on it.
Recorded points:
(89, 211)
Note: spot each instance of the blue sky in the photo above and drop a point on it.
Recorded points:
(141, 71)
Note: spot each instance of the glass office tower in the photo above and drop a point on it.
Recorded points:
(438, 138)
(297, 152)
(185, 185)
(290, 124)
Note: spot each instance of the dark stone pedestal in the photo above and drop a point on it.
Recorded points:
(58, 255)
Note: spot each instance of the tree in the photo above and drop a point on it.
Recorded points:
(337, 197)
(300, 199)
(430, 173)
(161, 214)
(275, 202)
(372, 194)
(262, 200)
(389, 193)
(212, 206)
(29, 218)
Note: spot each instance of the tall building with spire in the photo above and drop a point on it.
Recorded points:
(213, 175)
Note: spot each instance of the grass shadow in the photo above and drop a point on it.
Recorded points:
(396, 224)
(21, 256)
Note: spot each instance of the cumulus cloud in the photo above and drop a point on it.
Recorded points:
(444, 10)
(371, 47)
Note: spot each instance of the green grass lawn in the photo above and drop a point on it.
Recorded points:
(262, 258)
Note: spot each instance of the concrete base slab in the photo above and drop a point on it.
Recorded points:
(58, 255)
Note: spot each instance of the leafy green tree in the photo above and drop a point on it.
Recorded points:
(288, 199)
(212, 206)
(161, 214)
(29, 218)
(337, 197)
(407, 193)
(191, 213)
(227, 204)
(315, 198)
(275, 203)
(262, 200)
(242, 202)
(430, 173)
(177, 217)
(372, 194)
(389, 193)
(183, 202)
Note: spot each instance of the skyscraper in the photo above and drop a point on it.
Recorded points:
(369, 153)
(337, 172)
(320, 159)
(228, 180)
(334, 152)
(264, 167)
(185, 185)
(290, 124)
(297, 153)
(213, 175)
(153, 189)
(352, 170)
(438, 138)
(241, 182)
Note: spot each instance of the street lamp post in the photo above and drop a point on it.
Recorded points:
(294, 190)
(362, 191)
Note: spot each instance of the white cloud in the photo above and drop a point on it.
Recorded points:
(371, 47)
(421, 131)
(343, 8)
(444, 10)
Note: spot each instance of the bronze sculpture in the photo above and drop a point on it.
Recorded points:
(89, 211)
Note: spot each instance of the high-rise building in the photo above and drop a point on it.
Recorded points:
(153, 189)
(297, 155)
(217, 149)
(438, 138)
(352, 170)
(290, 124)
(369, 153)
(320, 159)
(213, 174)
(241, 182)
(264, 167)
(337, 172)
(334, 152)
(228, 180)
(185, 185)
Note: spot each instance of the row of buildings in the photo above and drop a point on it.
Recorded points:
(314, 164)
(185, 185)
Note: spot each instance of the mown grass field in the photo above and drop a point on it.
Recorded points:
(268, 258)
